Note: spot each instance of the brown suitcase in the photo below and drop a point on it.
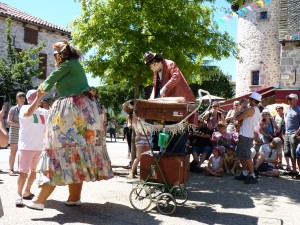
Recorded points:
(163, 110)
(174, 168)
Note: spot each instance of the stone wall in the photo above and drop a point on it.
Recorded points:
(259, 49)
(290, 65)
(47, 36)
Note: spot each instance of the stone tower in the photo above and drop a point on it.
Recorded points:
(260, 49)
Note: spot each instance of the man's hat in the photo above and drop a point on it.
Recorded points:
(148, 56)
(292, 96)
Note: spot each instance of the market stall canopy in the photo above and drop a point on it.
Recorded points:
(270, 95)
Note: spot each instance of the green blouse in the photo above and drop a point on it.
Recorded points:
(69, 79)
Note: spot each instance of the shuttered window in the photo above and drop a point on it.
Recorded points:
(255, 77)
(43, 65)
(30, 36)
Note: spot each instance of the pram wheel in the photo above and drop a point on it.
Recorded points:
(180, 194)
(166, 203)
(140, 198)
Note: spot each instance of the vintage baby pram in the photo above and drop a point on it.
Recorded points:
(163, 174)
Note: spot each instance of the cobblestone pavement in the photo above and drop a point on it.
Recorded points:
(211, 200)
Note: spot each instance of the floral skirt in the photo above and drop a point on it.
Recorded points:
(75, 145)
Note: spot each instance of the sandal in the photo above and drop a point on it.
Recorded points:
(13, 173)
(19, 202)
(288, 169)
(29, 197)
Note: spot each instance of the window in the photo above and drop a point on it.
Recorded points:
(43, 65)
(255, 77)
(30, 36)
(263, 15)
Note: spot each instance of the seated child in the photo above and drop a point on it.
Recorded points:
(230, 160)
(215, 163)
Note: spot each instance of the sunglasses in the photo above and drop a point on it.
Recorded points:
(266, 114)
(220, 126)
(236, 105)
(21, 96)
(215, 106)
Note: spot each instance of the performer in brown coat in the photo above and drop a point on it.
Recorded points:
(168, 80)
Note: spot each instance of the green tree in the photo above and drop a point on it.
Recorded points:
(118, 33)
(17, 68)
(214, 81)
(114, 95)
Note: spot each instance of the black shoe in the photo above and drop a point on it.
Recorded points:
(290, 173)
(251, 180)
(256, 172)
(241, 177)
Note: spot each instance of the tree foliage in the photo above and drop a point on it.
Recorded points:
(112, 96)
(17, 68)
(215, 82)
(117, 33)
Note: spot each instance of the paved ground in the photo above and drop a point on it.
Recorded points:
(211, 201)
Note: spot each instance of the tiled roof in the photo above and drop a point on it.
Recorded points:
(289, 22)
(16, 14)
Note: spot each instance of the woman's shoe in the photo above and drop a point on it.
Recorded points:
(70, 203)
(36, 206)
(19, 202)
(28, 197)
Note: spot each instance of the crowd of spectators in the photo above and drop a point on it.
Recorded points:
(216, 136)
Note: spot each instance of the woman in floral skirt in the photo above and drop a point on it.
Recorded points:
(75, 147)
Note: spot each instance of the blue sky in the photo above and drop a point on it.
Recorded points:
(62, 12)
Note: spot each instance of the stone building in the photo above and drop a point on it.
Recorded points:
(269, 43)
(28, 30)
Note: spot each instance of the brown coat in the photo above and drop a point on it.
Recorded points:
(174, 82)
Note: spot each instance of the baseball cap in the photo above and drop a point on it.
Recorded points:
(30, 92)
(278, 142)
(256, 96)
(292, 96)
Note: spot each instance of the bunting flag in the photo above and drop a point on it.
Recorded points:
(243, 11)
(293, 37)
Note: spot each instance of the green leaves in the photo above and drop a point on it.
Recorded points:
(17, 68)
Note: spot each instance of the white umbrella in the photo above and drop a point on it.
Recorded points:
(272, 108)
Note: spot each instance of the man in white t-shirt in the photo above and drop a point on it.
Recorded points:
(268, 158)
(32, 127)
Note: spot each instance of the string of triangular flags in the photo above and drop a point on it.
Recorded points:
(250, 8)
(293, 37)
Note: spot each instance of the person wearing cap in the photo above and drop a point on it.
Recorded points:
(14, 126)
(168, 80)
(292, 131)
(267, 127)
(201, 145)
(230, 160)
(74, 151)
(250, 118)
(268, 158)
(32, 126)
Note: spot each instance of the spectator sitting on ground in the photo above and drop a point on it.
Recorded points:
(201, 145)
(215, 163)
(268, 158)
(230, 160)
(221, 137)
